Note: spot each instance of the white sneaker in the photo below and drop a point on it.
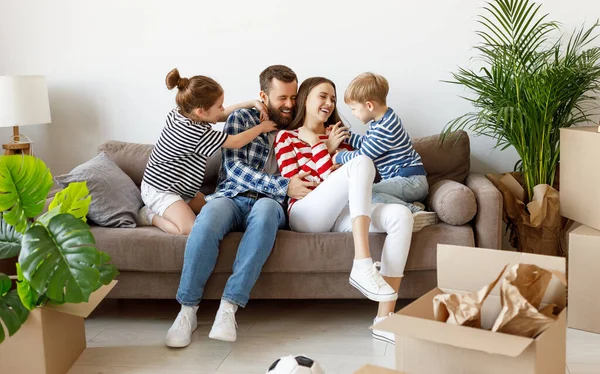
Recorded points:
(423, 219)
(224, 327)
(384, 336)
(180, 333)
(145, 216)
(419, 205)
(371, 284)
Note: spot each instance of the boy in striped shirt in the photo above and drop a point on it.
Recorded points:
(403, 177)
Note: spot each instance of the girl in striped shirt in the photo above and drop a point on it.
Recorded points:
(342, 200)
(175, 171)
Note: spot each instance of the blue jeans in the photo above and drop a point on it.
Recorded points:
(401, 190)
(260, 219)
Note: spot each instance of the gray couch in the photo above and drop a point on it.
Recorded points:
(301, 265)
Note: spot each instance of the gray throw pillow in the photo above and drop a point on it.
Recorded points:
(116, 200)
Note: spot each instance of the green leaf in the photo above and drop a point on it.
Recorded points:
(10, 240)
(45, 218)
(75, 200)
(60, 260)
(108, 272)
(12, 312)
(528, 85)
(24, 185)
(28, 296)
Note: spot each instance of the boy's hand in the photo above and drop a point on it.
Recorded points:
(308, 136)
(268, 126)
(334, 160)
(262, 108)
(337, 135)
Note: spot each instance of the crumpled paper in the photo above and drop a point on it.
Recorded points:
(462, 309)
(521, 294)
(537, 226)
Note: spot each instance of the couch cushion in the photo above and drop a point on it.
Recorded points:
(132, 159)
(449, 160)
(453, 202)
(115, 198)
(149, 249)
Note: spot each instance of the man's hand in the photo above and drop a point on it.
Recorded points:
(308, 136)
(298, 188)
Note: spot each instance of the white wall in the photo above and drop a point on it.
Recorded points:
(106, 61)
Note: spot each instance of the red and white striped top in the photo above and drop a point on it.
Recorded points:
(295, 156)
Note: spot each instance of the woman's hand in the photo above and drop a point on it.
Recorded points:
(337, 135)
(308, 136)
(262, 108)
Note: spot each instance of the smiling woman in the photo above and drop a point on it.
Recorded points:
(342, 199)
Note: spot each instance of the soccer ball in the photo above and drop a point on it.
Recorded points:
(295, 365)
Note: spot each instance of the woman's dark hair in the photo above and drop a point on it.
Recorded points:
(303, 92)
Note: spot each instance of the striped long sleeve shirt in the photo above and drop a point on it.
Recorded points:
(295, 156)
(388, 145)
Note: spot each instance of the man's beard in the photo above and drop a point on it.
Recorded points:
(279, 118)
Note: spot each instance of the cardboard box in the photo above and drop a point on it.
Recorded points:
(424, 345)
(51, 339)
(371, 369)
(584, 279)
(580, 175)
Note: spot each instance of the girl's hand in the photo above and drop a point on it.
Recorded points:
(337, 135)
(262, 108)
(268, 126)
(308, 136)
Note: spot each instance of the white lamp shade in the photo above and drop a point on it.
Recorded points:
(23, 100)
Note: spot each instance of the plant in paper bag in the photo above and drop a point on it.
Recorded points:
(530, 86)
(58, 259)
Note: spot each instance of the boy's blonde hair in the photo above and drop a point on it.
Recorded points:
(367, 87)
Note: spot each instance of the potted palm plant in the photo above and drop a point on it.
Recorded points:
(532, 83)
(58, 261)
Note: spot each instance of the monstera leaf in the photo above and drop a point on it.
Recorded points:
(24, 185)
(12, 312)
(28, 296)
(10, 240)
(108, 272)
(60, 260)
(75, 200)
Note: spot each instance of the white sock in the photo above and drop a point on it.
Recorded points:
(189, 309)
(227, 305)
(363, 263)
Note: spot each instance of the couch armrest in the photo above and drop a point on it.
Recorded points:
(488, 221)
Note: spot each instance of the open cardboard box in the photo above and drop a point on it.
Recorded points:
(51, 339)
(424, 345)
(584, 300)
(580, 175)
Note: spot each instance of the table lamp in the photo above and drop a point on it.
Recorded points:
(23, 101)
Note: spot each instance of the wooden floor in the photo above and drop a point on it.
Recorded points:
(127, 337)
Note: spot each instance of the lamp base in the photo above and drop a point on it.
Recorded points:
(17, 148)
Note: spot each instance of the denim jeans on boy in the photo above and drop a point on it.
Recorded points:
(401, 190)
(259, 219)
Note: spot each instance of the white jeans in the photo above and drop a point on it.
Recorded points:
(345, 195)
